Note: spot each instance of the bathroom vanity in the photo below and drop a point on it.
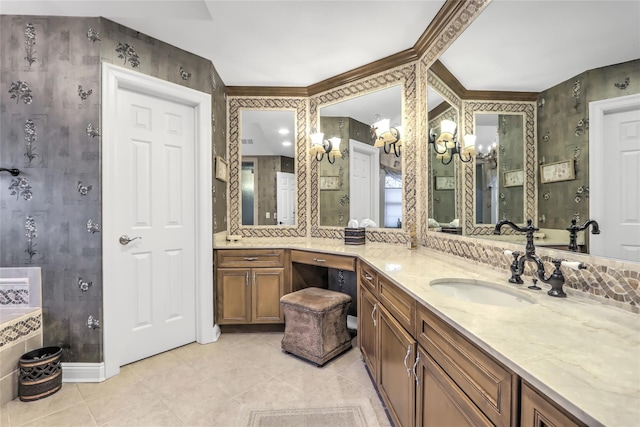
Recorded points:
(438, 359)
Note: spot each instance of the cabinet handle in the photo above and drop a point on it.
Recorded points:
(415, 365)
(319, 260)
(375, 308)
(366, 276)
(246, 279)
(250, 258)
(406, 357)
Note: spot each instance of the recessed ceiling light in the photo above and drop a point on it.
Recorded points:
(286, 143)
(283, 131)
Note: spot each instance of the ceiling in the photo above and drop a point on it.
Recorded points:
(513, 45)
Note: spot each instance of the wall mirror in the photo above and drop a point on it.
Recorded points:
(565, 89)
(443, 182)
(259, 154)
(499, 168)
(401, 85)
(366, 182)
(267, 166)
(501, 181)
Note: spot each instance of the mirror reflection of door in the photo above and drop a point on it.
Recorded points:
(249, 209)
(363, 176)
(286, 187)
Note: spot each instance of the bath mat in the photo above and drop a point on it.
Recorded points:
(344, 413)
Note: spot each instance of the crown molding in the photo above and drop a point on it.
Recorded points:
(269, 91)
(447, 12)
(454, 84)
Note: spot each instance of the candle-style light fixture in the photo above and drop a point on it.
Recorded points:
(446, 144)
(321, 146)
(387, 136)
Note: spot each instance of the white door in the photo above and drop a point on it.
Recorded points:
(286, 185)
(364, 185)
(156, 179)
(615, 200)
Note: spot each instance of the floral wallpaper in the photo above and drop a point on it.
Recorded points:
(563, 134)
(50, 129)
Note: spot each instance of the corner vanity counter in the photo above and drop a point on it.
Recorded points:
(556, 361)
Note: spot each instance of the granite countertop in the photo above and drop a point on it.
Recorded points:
(580, 353)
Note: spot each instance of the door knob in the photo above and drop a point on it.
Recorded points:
(125, 240)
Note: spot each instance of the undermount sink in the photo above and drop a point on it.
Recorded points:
(482, 292)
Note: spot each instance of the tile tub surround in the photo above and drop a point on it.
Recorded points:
(20, 323)
(17, 337)
(581, 353)
(20, 287)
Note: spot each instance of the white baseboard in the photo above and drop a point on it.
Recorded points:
(83, 372)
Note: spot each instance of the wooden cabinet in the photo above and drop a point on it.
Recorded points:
(439, 401)
(339, 262)
(249, 285)
(537, 411)
(368, 319)
(397, 355)
(388, 350)
(488, 384)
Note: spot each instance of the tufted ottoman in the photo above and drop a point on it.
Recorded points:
(315, 324)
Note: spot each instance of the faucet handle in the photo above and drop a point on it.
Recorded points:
(574, 265)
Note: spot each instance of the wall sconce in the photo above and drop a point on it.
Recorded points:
(446, 144)
(321, 146)
(387, 136)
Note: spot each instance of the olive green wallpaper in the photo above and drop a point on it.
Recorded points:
(563, 134)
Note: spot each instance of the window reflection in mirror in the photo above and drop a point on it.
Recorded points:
(267, 167)
(366, 182)
(499, 192)
(442, 177)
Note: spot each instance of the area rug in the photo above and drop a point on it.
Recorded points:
(344, 413)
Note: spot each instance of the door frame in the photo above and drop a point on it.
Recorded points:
(597, 172)
(115, 78)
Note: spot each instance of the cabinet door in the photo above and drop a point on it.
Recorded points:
(539, 412)
(267, 288)
(396, 382)
(233, 295)
(439, 402)
(368, 319)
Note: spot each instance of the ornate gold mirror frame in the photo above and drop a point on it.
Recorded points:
(299, 106)
(528, 110)
(406, 76)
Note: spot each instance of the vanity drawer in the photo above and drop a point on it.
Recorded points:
(324, 260)
(399, 303)
(250, 258)
(488, 384)
(368, 278)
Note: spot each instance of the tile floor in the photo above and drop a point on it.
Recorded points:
(199, 385)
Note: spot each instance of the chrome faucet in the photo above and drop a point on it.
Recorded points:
(556, 279)
(573, 232)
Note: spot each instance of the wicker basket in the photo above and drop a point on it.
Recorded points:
(40, 373)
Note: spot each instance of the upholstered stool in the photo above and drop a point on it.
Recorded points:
(315, 324)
